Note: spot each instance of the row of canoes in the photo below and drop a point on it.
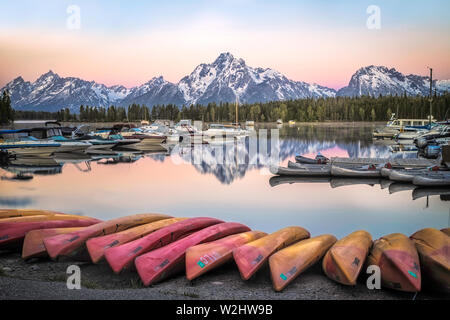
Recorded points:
(159, 246)
(426, 177)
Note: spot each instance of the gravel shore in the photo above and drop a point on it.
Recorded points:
(45, 279)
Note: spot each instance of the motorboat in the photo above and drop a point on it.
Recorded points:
(14, 143)
(224, 130)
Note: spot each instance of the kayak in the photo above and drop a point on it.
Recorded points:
(252, 256)
(433, 247)
(432, 180)
(122, 257)
(12, 213)
(288, 263)
(14, 230)
(344, 261)
(303, 171)
(318, 160)
(397, 257)
(158, 264)
(205, 257)
(72, 244)
(446, 231)
(98, 245)
(33, 243)
(362, 172)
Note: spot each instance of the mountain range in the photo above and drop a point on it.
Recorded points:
(220, 81)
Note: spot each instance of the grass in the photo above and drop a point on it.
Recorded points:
(89, 284)
(191, 295)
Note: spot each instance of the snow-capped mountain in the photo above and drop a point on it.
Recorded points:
(376, 80)
(220, 81)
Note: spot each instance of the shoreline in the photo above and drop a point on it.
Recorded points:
(44, 279)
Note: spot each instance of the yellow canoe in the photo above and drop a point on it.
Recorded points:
(287, 264)
(12, 213)
(33, 243)
(345, 259)
(38, 218)
(252, 256)
(98, 245)
(446, 231)
(397, 257)
(72, 244)
(207, 256)
(433, 247)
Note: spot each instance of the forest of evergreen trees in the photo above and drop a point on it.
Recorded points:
(6, 111)
(303, 110)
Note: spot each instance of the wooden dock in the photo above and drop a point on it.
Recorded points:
(408, 163)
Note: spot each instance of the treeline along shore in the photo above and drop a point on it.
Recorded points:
(363, 108)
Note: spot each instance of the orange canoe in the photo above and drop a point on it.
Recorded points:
(97, 246)
(122, 257)
(344, 261)
(74, 243)
(288, 263)
(252, 256)
(33, 243)
(12, 213)
(205, 257)
(159, 264)
(13, 231)
(446, 231)
(433, 247)
(397, 257)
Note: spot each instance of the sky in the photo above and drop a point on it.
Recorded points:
(130, 42)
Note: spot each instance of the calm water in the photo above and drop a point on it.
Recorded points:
(185, 181)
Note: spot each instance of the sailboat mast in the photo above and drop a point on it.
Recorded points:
(237, 111)
(431, 93)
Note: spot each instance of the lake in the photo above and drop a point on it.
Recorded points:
(189, 181)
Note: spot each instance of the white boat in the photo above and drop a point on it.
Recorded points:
(302, 171)
(223, 130)
(25, 146)
(432, 180)
(406, 175)
(370, 171)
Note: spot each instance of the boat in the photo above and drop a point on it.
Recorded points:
(218, 130)
(396, 256)
(14, 213)
(73, 244)
(394, 126)
(291, 122)
(343, 182)
(122, 257)
(303, 171)
(98, 245)
(33, 243)
(433, 247)
(13, 230)
(286, 264)
(159, 264)
(319, 159)
(25, 146)
(406, 175)
(279, 121)
(208, 256)
(438, 179)
(399, 187)
(369, 171)
(279, 180)
(421, 192)
(345, 259)
(252, 256)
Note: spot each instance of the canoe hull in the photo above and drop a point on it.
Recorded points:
(345, 259)
(161, 263)
(123, 256)
(288, 263)
(252, 256)
(205, 257)
(12, 213)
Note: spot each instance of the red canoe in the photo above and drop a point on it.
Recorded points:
(208, 256)
(73, 244)
(163, 262)
(122, 257)
(12, 233)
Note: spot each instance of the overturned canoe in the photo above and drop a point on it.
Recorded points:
(432, 180)
(344, 261)
(252, 256)
(279, 180)
(385, 172)
(362, 172)
(433, 247)
(13, 232)
(122, 257)
(158, 264)
(446, 231)
(397, 258)
(12, 213)
(405, 175)
(303, 171)
(33, 243)
(399, 187)
(288, 263)
(74, 243)
(205, 257)
(343, 182)
(98, 245)
(420, 192)
(319, 159)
